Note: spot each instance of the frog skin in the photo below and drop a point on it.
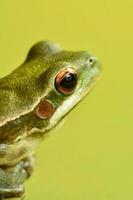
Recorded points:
(33, 99)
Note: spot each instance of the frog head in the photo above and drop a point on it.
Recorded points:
(67, 79)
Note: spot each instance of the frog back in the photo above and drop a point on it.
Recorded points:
(21, 91)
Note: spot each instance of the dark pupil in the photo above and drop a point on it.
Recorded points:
(69, 81)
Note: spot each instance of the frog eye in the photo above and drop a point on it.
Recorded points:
(66, 81)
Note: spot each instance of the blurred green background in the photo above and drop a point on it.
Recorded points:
(91, 155)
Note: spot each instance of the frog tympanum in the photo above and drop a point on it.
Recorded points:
(33, 99)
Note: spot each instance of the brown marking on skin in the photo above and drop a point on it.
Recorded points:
(45, 109)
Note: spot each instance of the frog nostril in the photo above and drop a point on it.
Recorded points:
(91, 61)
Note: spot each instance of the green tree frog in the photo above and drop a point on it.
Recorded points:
(33, 99)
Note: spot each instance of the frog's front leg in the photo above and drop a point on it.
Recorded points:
(11, 180)
(29, 163)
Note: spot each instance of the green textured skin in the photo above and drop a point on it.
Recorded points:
(20, 93)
